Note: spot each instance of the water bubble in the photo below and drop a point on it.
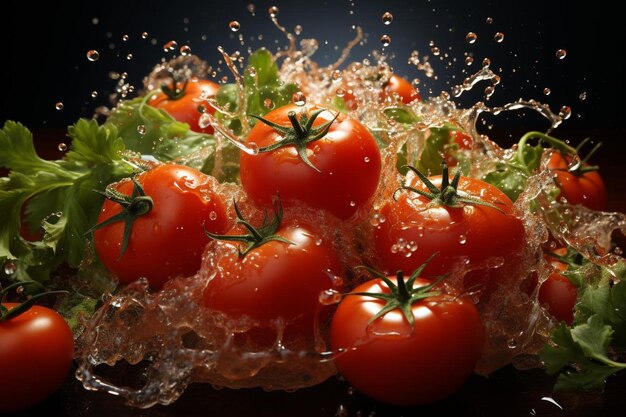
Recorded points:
(471, 37)
(185, 50)
(62, 147)
(298, 98)
(94, 94)
(58, 105)
(234, 25)
(547, 91)
(93, 55)
(582, 96)
(10, 268)
(387, 18)
(298, 29)
(498, 37)
(125, 38)
(561, 53)
(489, 20)
(170, 46)
(144, 35)
(129, 57)
(141, 129)
(565, 112)
(273, 11)
(385, 40)
(469, 60)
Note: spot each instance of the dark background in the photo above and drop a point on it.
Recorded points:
(44, 49)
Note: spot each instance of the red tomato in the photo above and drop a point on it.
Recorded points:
(392, 363)
(462, 141)
(559, 296)
(586, 188)
(401, 87)
(416, 227)
(275, 284)
(345, 164)
(36, 352)
(185, 108)
(169, 240)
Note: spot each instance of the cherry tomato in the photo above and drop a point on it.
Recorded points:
(186, 107)
(36, 352)
(578, 187)
(464, 236)
(460, 140)
(343, 169)
(402, 88)
(394, 363)
(559, 296)
(275, 284)
(168, 240)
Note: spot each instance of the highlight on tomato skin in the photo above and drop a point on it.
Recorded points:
(391, 362)
(36, 354)
(187, 108)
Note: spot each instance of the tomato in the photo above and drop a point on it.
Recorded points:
(169, 239)
(277, 283)
(398, 364)
(580, 186)
(460, 141)
(402, 88)
(36, 352)
(465, 234)
(186, 107)
(338, 172)
(559, 296)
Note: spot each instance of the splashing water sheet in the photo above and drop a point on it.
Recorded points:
(177, 340)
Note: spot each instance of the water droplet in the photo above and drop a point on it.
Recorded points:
(342, 411)
(462, 239)
(340, 92)
(125, 38)
(129, 57)
(486, 63)
(489, 91)
(58, 105)
(561, 53)
(94, 94)
(385, 40)
(336, 75)
(252, 71)
(250, 8)
(95, 21)
(297, 30)
(471, 37)
(144, 35)
(62, 147)
(10, 268)
(489, 20)
(618, 250)
(498, 37)
(212, 215)
(234, 25)
(469, 60)
(268, 103)
(435, 50)
(366, 159)
(253, 148)
(565, 112)
(582, 96)
(547, 91)
(170, 46)
(387, 18)
(93, 55)
(141, 129)
(352, 204)
(273, 11)
(329, 297)
(185, 50)
(511, 343)
(298, 98)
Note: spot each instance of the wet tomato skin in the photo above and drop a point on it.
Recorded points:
(586, 188)
(36, 353)
(395, 365)
(402, 87)
(170, 239)
(348, 159)
(558, 295)
(185, 109)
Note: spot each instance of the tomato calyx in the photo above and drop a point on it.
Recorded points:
(174, 92)
(403, 294)
(448, 194)
(133, 207)
(299, 134)
(7, 314)
(258, 236)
